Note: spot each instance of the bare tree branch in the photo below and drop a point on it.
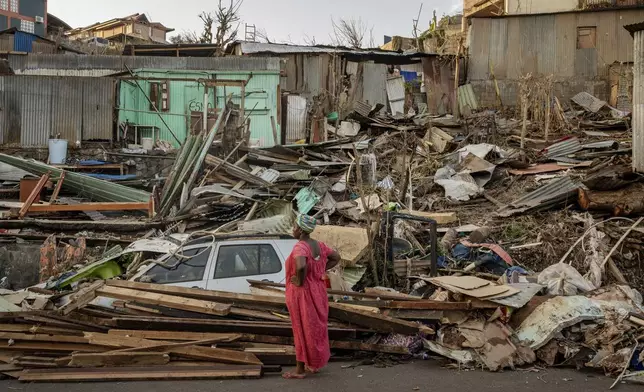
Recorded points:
(262, 36)
(208, 20)
(186, 37)
(349, 32)
(227, 18)
(310, 41)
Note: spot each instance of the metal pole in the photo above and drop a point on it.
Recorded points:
(434, 250)
(204, 126)
(154, 106)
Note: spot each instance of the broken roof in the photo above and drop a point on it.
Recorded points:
(378, 55)
(634, 28)
(140, 18)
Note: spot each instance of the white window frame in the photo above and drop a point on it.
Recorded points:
(15, 6)
(4, 5)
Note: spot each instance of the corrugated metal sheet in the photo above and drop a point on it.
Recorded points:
(34, 107)
(467, 99)
(6, 43)
(23, 42)
(396, 94)
(90, 65)
(556, 192)
(296, 115)
(638, 103)
(374, 84)
(99, 97)
(547, 44)
(564, 148)
(67, 108)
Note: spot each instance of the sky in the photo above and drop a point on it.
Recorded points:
(292, 21)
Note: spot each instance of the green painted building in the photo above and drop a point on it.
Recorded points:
(179, 96)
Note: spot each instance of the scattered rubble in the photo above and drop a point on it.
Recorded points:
(498, 240)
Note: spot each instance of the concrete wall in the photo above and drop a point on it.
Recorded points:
(508, 48)
(514, 7)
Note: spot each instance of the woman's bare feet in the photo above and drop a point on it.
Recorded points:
(294, 376)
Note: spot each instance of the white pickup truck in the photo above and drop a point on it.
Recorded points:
(223, 265)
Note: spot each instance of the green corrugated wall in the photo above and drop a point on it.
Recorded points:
(261, 101)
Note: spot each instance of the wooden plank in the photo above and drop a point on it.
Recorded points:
(33, 195)
(119, 359)
(170, 301)
(256, 314)
(424, 315)
(54, 347)
(81, 298)
(426, 305)
(42, 338)
(170, 336)
(166, 373)
(217, 296)
(193, 352)
(441, 218)
(58, 187)
(36, 329)
(221, 326)
(384, 297)
(89, 207)
(374, 321)
(376, 348)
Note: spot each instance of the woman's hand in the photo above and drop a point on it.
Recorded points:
(296, 281)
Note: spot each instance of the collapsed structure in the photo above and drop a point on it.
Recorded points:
(501, 236)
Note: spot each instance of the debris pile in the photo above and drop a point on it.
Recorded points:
(515, 237)
(123, 331)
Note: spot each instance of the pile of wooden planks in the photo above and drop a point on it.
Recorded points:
(121, 330)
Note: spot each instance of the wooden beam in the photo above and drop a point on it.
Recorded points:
(170, 301)
(118, 359)
(81, 298)
(181, 336)
(37, 329)
(89, 207)
(384, 297)
(34, 193)
(221, 326)
(374, 321)
(426, 305)
(141, 373)
(420, 315)
(58, 187)
(376, 348)
(192, 352)
(209, 295)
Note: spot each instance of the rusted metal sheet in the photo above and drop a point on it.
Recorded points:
(638, 102)
(556, 192)
(374, 90)
(439, 83)
(35, 107)
(98, 106)
(96, 65)
(66, 109)
(296, 115)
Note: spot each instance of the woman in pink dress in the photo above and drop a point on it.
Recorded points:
(306, 298)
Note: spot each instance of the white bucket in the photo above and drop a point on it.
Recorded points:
(148, 143)
(57, 151)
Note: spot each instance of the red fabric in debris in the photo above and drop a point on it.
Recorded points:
(308, 306)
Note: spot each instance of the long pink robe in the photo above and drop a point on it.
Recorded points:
(308, 306)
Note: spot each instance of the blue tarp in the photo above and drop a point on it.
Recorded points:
(111, 177)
